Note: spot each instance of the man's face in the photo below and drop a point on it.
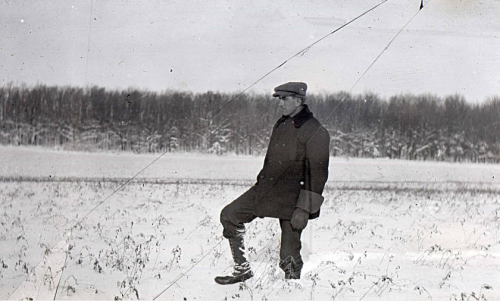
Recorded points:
(288, 104)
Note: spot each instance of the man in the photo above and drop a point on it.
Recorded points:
(288, 187)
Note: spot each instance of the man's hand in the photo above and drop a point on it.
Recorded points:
(299, 219)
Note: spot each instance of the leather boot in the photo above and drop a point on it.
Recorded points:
(242, 269)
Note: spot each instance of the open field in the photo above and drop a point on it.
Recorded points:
(389, 230)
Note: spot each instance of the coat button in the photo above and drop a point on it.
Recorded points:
(284, 144)
(301, 182)
(271, 179)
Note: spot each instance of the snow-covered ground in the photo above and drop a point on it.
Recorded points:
(48, 164)
(389, 230)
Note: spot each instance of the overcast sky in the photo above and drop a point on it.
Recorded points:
(451, 46)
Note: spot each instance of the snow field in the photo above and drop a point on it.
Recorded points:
(388, 230)
(371, 241)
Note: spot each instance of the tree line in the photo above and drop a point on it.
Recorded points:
(406, 126)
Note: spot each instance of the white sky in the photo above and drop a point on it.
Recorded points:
(452, 46)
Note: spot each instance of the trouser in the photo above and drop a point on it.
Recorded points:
(240, 212)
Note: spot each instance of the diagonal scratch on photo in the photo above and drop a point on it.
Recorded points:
(235, 150)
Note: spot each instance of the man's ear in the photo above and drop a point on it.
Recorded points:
(298, 101)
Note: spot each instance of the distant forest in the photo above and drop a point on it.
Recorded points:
(413, 127)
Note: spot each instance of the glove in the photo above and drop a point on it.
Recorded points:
(299, 219)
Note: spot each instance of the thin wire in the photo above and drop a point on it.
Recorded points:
(62, 272)
(183, 274)
(64, 265)
(95, 207)
(116, 190)
(367, 69)
(301, 52)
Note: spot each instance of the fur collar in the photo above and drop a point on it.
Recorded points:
(302, 116)
(298, 119)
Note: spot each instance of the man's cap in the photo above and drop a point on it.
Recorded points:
(292, 88)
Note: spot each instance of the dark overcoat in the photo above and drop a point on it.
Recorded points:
(296, 165)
